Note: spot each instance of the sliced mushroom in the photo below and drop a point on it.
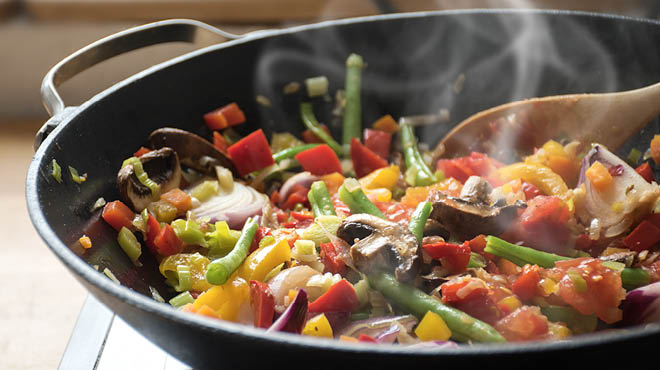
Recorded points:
(476, 190)
(626, 258)
(162, 166)
(381, 245)
(193, 150)
(465, 220)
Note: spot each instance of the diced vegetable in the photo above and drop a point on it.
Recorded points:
(219, 270)
(179, 199)
(542, 177)
(251, 153)
(599, 176)
(140, 152)
(319, 160)
(182, 299)
(264, 259)
(454, 257)
(378, 142)
(643, 237)
(351, 193)
(316, 86)
(118, 215)
(56, 171)
(129, 244)
(645, 171)
(219, 142)
(364, 160)
(432, 327)
(292, 319)
(318, 326)
(642, 305)
(655, 149)
(223, 117)
(225, 300)
(167, 243)
(386, 124)
(263, 304)
(77, 178)
(340, 297)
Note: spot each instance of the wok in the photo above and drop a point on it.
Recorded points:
(415, 64)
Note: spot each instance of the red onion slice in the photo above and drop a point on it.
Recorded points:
(642, 305)
(292, 319)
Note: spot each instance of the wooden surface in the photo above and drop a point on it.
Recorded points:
(39, 299)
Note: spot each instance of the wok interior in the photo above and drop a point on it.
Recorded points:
(413, 66)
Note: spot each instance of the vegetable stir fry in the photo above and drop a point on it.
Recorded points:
(376, 239)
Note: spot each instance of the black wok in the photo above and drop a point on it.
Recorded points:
(414, 63)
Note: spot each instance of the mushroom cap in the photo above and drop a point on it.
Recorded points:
(465, 219)
(381, 245)
(162, 166)
(194, 151)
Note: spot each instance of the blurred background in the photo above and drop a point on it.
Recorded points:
(40, 300)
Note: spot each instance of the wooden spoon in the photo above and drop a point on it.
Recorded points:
(609, 119)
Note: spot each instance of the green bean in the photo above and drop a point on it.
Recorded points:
(308, 118)
(353, 108)
(476, 261)
(574, 320)
(291, 152)
(630, 277)
(418, 219)
(318, 193)
(417, 172)
(462, 325)
(219, 270)
(351, 193)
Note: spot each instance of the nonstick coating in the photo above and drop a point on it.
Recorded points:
(415, 63)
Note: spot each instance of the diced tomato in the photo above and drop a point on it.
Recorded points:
(395, 211)
(455, 168)
(118, 215)
(545, 222)
(525, 323)
(309, 137)
(229, 115)
(476, 164)
(302, 216)
(263, 304)
(526, 284)
(320, 160)
(251, 153)
(462, 289)
(454, 257)
(298, 195)
(378, 141)
(365, 161)
(478, 243)
(219, 142)
(589, 287)
(331, 260)
(645, 171)
(340, 297)
(140, 152)
(153, 229)
(482, 307)
(530, 190)
(643, 237)
(166, 242)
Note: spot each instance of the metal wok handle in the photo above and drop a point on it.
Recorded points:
(181, 30)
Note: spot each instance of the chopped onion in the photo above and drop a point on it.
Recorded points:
(627, 188)
(234, 206)
(291, 278)
(642, 305)
(293, 318)
(304, 179)
(383, 329)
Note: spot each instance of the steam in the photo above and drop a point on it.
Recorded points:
(415, 64)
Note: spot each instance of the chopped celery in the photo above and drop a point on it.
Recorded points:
(225, 178)
(318, 231)
(189, 232)
(316, 86)
(305, 246)
(276, 270)
(634, 156)
(221, 240)
(182, 299)
(164, 211)
(76, 177)
(362, 291)
(184, 278)
(56, 172)
(142, 175)
(130, 244)
(205, 190)
(578, 281)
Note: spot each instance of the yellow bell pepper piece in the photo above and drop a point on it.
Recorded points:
(599, 176)
(511, 302)
(333, 181)
(225, 299)
(378, 195)
(385, 177)
(432, 327)
(540, 176)
(386, 123)
(197, 264)
(318, 326)
(258, 264)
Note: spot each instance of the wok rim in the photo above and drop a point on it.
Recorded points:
(91, 276)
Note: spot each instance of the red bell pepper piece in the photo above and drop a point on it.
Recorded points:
(302, 216)
(219, 142)
(378, 141)
(261, 233)
(366, 338)
(331, 260)
(309, 137)
(167, 243)
(365, 161)
(526, 284)
(476, 164)
(454, 257)
(298, 195)
(263, 304)
(645, 171)
(530, 190)
(455, 168)
(251, 153)
(118, 215)
(320, 160)
(643, 237)
(340, 297)
(153, 229)
(545, 213)
(140, 152)
(223, 117)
